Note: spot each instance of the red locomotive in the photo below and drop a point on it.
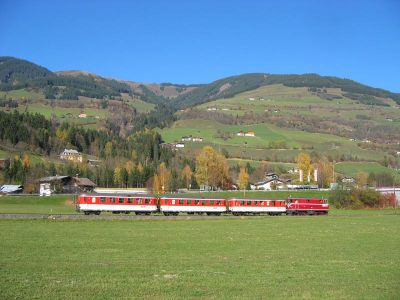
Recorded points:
(145, 205)
(305, 206)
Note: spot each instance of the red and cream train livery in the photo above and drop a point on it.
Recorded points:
(145, 205)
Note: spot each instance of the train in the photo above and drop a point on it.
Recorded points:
(172, 206)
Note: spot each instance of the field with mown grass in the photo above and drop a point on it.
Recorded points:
(355, 256)
(258, 147)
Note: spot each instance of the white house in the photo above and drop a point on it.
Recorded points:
(197, 139)
(267, 185)
(186, 138)
(83, 115)
(250, 133)
(179, 145)
(71, 154)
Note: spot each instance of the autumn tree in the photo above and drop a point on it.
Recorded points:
(211, 168)
(157, 188)
(243, 180)
(118, 176)
(325, 172)
(304, 164)
(26, 163)
(362, 179)
(165, 177)
(108, 149)
(187, 174)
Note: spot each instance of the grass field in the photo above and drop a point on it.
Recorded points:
(352, 168)
(22, 94)
(333, 257)
(257, 147)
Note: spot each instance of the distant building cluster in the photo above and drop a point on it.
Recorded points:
(191, 139)
(246, 133)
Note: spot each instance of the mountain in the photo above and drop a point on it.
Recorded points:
(230, 86)
(17, 73)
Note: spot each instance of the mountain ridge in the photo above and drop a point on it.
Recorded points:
(18, 73)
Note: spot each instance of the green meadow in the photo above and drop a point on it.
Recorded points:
(258, 147)
(353, 256)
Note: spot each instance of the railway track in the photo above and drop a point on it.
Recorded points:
(107, 217)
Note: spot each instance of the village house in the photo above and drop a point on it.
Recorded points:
(72, 155)
(197, 139)
(64, 184)
(82, 115)
(271, 182)
(179, 145)
(186, 138)
(93, 162)
(246, 133)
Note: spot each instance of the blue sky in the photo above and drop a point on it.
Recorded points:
(201, 41)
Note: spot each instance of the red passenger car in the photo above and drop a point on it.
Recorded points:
(173, 206)
(95, 204)
(246, 206)
(305, 206)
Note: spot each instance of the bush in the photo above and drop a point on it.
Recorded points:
(359, 198)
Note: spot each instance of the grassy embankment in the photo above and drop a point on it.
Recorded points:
(334, 257)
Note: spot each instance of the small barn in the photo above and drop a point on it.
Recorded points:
(11, 189)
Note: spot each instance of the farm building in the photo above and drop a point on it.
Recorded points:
(186, 138)
(268, 185)
(246, 133)
(11, 189)
(66, 184)
(93, 162)
(72, 155)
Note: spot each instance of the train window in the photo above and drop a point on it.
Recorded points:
(173, 201)
(218, 202)
(102, 199)
(121, 200)
(130, 200)
(241, 202)
(139, 201)
(196, 202)
(189, 202)
(249, 202)
(203, 202)
(181, 202)
(146, 201)
(112, 200)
